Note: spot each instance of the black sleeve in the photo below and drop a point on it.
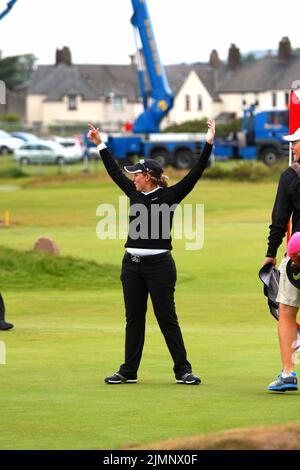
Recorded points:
(184, 187)
(282, 211)
(116, 173)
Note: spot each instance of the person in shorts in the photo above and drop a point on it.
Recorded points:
(287, 205)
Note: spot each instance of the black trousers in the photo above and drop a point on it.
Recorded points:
(155, 275)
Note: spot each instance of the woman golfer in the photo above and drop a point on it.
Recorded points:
(148, 266)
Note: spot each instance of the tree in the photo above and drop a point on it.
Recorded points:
(16, 70)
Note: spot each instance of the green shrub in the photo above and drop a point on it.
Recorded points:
(188, 126)
(68, 129)
(200, 125)
(10, 118)
(250, 171)
(216, 172)
(12, 173)
(236, 170)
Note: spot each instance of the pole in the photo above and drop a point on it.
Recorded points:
(294, 124)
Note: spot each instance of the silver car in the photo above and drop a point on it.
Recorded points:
(45, 151)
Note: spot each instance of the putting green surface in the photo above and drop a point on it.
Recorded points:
(68, 337)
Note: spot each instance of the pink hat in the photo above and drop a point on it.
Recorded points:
(293, 247)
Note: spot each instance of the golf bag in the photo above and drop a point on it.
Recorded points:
(270, 276)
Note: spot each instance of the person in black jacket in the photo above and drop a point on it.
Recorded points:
(287, 204)
(148, 267)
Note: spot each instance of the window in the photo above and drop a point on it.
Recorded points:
(200, 105)
(117, 103)
(187, 102)
(72, 103)
(274, 100)
(279, 118)
(43, 147)
(28, 147)
(287, 99)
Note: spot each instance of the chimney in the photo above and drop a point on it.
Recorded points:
(63, 56)
(214, 59)
(234, 57)
(132, 59)
(214, 62)
(284, 49)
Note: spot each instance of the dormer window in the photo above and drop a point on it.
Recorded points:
(72, 103)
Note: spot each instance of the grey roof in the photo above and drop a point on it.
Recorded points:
(269, 73)
(118, 79)
(57, 81)
(90, 81)
(95, 81)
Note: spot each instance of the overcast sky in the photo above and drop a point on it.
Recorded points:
(99, 31)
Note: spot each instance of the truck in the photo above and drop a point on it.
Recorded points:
(261, 137)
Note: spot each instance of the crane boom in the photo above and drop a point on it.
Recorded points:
(9, 6)
(160, 92)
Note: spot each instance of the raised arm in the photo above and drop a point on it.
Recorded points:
(184, 187)
(111, 166)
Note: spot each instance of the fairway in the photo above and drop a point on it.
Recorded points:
(67, 339)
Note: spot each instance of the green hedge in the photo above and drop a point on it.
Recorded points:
(245, 171)
(222, 130)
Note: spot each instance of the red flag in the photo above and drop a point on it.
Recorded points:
(294, 124)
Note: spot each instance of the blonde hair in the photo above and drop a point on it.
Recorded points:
(162, 181)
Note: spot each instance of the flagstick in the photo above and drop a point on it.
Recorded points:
(288, 230)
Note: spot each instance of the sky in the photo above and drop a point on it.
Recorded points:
(99, 31)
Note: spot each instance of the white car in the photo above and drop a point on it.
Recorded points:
(71, 144)
(45, 151)
(8, 144)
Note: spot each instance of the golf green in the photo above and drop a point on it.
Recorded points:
(68, 337)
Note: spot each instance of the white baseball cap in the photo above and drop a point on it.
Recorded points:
(293, 137)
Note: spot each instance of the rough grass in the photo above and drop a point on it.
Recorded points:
(39, 271)
(286, 437)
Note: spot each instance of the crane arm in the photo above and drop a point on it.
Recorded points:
(9, 6)
(160, 92)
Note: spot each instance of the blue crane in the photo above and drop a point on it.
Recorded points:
(7, 9)
(146, 140)
(160, 92)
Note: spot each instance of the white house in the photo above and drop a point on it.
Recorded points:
(109, 94)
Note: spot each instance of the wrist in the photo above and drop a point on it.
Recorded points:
(101, 146)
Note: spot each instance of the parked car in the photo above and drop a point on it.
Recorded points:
(44, 151)
(70, 144)
(25, 136)
(8, 144)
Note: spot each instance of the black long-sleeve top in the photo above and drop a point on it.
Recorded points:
(157, 233)
(287, 203)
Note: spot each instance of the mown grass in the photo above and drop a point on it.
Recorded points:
(67, 337)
